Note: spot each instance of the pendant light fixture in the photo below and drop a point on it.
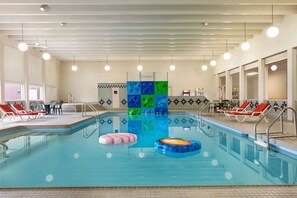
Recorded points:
(74, 67)
(139, 67)
(213, 62)
(204, 66)
(245, 46)
(272, 31)
(46, 55)
(22, 45)
(227, 54)
(107, 67)
(172, 67)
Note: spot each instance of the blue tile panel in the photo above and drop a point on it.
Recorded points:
(147, 87)
(133, 88)
(143, 95)
(134, 101)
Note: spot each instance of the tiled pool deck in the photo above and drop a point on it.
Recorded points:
(68, 119)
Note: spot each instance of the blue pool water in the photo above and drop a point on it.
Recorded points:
(57, 158)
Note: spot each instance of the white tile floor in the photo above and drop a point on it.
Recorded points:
(155, 192)
(68, 119)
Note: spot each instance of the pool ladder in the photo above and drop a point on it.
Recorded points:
(84, 110)
(267, 131)
(4, 146)
(202, 108)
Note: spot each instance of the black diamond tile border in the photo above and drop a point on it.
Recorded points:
(124, 101)
(101, 102)
(191, 101)
(198, 101)
(175, 101)
(109, 102)
(183, 101)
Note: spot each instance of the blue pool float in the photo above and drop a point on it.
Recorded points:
(177, 145)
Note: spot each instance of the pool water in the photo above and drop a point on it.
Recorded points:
(50, 158)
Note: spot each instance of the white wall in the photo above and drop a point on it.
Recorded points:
(83, 83)
(50, 69)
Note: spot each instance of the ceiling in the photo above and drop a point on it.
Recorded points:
(127, 29)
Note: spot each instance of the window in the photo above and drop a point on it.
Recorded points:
(252, 83)
(14, 91)
(235, 85)
(277, 80)
(35, 92)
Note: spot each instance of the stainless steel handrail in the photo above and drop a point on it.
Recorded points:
(264, 117)
(281, 120)
(199, 114)
(280, 117)
(84, 109)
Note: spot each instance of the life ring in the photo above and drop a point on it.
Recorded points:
(177, 145)
(117, 138)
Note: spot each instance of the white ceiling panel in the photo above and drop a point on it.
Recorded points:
(125, 29)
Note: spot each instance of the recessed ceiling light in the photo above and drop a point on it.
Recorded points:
(252, 73)
(62, 24)
(205, 23)
(43, 8)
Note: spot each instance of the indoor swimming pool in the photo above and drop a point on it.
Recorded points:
(75, 158)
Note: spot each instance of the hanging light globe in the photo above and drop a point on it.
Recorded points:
(227, 55)
(204, 67)
(172, 67)
(74, 68)
(23, 46)
(272, 31)
(139, 67)
(245, 46)
(213, 63)
(46, 56)
(107, 67)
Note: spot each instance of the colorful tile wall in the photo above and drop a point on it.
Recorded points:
(147, 97)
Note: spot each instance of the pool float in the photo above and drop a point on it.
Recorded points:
(177, 145)
(117, 138)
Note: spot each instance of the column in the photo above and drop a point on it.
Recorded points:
(217, 93)
(26, 77)
(228, 86)
(291, 80)
(261, 81)
(2, 98)
(44, 81)
(242, 84)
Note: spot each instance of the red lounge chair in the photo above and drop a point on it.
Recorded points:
(19, 109)
(253, 115)
(242, 108)
(8, 112)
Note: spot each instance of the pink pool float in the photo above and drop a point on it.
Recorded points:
(117, 138)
